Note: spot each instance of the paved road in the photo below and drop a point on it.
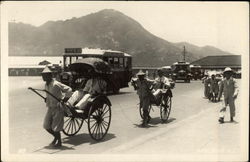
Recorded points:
(27, 110)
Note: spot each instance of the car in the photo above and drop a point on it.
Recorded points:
(196, 72)
(181, 71)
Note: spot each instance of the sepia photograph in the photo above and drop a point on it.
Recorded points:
(124, 81)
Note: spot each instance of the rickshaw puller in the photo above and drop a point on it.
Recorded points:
(53, 121)
(145, 96)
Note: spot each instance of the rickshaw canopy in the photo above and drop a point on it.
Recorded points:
(90, 65)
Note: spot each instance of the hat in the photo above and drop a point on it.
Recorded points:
(227, 69)
(140, 73)
(46, 70)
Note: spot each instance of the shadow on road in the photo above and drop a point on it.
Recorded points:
(51, 149)
(229, 122)
(85, 138)
(157, 120)
(108, 137)
(148, 126)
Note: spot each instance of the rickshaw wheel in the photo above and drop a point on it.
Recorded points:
(72, 125)
(141, 111)
(165, 108)
(99, 120)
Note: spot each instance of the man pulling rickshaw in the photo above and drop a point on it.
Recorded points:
(95, 108)
(53, 121)
(151, 92)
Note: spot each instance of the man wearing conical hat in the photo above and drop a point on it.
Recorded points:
(229, 88)
(143, 85)
(53, 121)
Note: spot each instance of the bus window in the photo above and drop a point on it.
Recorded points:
(73, 59)
(125, 62)
(67, 61)
(110, 60)
(116, 62)
(121, 62)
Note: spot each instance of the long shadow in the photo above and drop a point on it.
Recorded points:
(57, 149)
(75, 141)
(85, 138)
(157, 120)
(148, 126)
(229, 122)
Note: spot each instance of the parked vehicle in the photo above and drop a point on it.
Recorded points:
(181, 71)
(120, 64)
(196, 72)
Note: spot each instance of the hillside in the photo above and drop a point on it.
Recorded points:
(106, 29)
(202, 51)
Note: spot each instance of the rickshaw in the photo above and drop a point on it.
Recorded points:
(163, 102)
(98, 107)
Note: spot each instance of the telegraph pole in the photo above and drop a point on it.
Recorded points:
(184, 53)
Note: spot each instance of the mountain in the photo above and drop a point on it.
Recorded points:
(201, 51)
(106, 29)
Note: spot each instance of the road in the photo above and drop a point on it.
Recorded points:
(27, 110)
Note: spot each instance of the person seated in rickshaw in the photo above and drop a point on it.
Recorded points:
(161, 82)
(94, 86)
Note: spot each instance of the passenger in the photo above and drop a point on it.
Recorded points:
(53, 121)
(77, 95)
(142, 85)
(161, 82)
(230, 90)
(94, 86)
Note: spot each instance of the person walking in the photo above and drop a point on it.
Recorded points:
(214, 88)
(230, 90)
(53, 121)
(206, 82)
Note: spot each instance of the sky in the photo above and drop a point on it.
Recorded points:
(224, 25)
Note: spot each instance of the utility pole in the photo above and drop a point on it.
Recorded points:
(184, 53)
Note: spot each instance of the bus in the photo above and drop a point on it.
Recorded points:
(119, 62)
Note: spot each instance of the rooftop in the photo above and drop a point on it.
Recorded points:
(223, 60)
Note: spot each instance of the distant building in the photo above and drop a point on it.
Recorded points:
(219, 63)
(30, 66)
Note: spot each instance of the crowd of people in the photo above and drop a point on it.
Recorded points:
(215, 87)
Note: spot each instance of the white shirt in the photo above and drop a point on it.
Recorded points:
(160, 80)
(57, 89)
(95, 86)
